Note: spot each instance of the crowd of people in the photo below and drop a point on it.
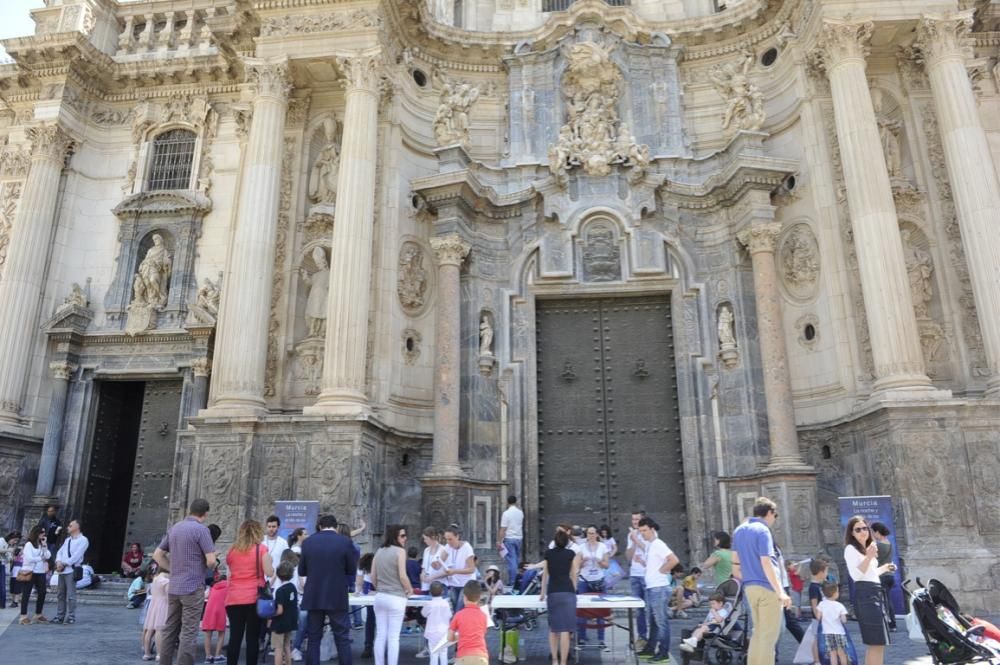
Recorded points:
(185, 588)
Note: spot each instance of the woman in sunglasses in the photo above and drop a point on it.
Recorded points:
(861, 556)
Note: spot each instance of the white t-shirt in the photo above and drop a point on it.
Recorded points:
(275, 547)
(656, 554)
(431, 572)
(590, 569)
(457, 560)
(513, 520)
(831, 611)
(438, 615)
(636, 568)
(853, 559)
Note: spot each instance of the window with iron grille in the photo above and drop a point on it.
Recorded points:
(170, 167)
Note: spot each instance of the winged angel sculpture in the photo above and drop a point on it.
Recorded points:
(744, 101)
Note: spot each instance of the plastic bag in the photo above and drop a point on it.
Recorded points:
(326, 647)
(912, 623)
(613, 575)
(804, 654)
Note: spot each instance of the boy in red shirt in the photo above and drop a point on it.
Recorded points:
(469, 623)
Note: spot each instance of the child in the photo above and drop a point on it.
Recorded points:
(718, 610)
(834, 616)
(468, 626)
(214, 619)
(686, 594)
(286, 618)
(818, 570)
(795, 582)
(438, 615)
(493, 583)
(364, 581)
(137, 591)
(156, 614)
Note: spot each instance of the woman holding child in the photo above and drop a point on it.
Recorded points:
(860, 555)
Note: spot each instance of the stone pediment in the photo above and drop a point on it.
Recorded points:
(165, 203)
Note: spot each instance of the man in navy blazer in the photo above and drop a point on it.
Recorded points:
(328, 564)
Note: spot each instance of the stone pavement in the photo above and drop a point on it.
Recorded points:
(110, 636)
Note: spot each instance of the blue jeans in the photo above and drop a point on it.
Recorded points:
(513, 557)
(638, 584)
(657, 599)
(581, 632)
(300, 632)
(457, 599)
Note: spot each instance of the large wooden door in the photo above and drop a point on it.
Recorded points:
(608, 424)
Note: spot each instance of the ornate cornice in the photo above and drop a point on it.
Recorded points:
(760, 237)
(842, 42)
(450, 250)
(49, 141)
(361, 72)
(165, 203)
(268, 78)
(945, 37)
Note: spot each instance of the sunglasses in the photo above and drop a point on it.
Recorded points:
(860, 529)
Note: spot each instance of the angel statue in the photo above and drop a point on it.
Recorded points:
(744, 101)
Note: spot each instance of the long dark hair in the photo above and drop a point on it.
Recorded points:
(392, 535)
(849, 538)
(724, 539)
(34, 534)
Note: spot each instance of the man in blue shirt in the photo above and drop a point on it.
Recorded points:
(755, 563)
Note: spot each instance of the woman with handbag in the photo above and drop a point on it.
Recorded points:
(32, 574)
(392, 587)
(249, 569)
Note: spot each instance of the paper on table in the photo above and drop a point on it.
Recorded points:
(443, 644)
(615, 599)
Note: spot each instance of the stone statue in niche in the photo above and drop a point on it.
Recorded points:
(485, 336)
(592, 138)
(153, 277)
(205, 309)
(76, 297)
(919, 270)
(744, 101)
(323, 176)
(319, 286)
(727, 337)
(889, 131)
(411, 284)
(451, 122)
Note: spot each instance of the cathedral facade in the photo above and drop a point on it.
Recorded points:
(405, 258)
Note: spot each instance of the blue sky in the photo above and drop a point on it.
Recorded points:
(15, 20)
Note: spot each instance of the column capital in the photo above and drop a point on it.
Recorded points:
(361, 72)
(841, 42)
(760, 237)
(944, 37)
(450, 249)
(268, 78)
(49, 141)
(201, 367)
(61, 370)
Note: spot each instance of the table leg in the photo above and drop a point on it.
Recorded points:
(631, 635)
(503, 635)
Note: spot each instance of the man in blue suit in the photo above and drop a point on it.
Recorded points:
(328, 563)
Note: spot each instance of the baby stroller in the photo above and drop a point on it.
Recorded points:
(728, 645)
(951, 636)
(530, 585)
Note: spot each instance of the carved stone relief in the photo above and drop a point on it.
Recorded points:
(451, 121)
(205, 309)
(412, 279)
(294, 23)
(726, 328)
(326, 166)
(9, 196)
(10, 474)
(14, 161)
(601, 255)
(276, 476)
(799, 262)
(221, 474)
(744, 101)
(149, 287)
(329, 476)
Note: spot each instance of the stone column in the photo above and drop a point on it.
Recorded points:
(759, 239)
(241, 338)
(971, 169)
(201, 368)
(899, 363)
(61, 373)
(346, 354)
(24, 274)
(450, 251)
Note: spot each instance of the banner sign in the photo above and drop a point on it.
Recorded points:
(295, 514)
(877, 509)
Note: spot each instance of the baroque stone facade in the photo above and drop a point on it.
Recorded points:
(371, 255)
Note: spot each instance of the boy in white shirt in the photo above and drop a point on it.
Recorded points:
(438, 615)
(833, 616)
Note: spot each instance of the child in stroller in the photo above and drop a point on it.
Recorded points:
(718, 610)
(528, 583)
(728, 644)
(951, 636)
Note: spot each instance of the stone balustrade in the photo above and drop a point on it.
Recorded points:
(146, 29)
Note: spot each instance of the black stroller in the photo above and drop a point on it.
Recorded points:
(729, 645)
(530, 584)
(951, 636)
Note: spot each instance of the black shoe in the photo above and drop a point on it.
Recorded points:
(646, 653)
(367, 653)
(56, 620)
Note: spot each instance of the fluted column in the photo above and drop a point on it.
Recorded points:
(971, 169)
(241, 338)
(346, 352)
(61, 373)
(449, 251)
(899, 363)
(760, 239)
(22, 283)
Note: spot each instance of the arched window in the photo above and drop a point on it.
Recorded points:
(170, 166)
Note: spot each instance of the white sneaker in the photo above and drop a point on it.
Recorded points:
(690, 640)
(296, 655)
(687, 647)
